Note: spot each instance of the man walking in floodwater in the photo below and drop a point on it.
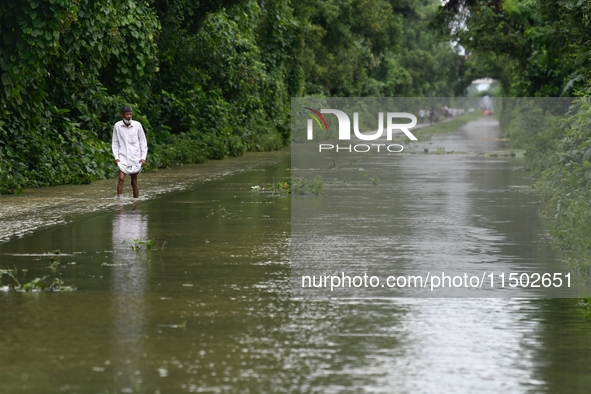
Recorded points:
(130, 149)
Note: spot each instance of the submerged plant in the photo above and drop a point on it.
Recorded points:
(302, 186)
(222, 213)
(54, 263)
(138, 243)
(58, 285)
(293, 185)
(39, 283)
(11, 273)
(36, 284)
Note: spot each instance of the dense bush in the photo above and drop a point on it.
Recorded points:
(555, 133)
(563, 167)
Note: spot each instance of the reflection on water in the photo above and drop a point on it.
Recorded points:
(210, 309)
(129, 287)
(478, 347)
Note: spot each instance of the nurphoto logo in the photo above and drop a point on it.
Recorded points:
(391, 128)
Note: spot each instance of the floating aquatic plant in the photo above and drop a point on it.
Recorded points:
(222, 213)
(36, 284)
(39, 283)
(137, 244)
(293, 185)
(58, 285)
(54, 263)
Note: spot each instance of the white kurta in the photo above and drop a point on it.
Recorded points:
(129, 143)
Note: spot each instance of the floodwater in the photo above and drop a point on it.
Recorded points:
(188, 290)
(462, 224)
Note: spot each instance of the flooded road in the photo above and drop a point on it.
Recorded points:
(189, 290)
(46, 207)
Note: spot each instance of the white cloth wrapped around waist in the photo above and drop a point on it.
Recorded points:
(129, 169)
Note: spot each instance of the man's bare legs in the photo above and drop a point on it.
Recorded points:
(120, 184)
(136, 189)
(134, 186)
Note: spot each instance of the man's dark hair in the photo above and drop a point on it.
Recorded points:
(126, 108)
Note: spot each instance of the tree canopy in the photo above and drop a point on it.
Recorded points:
(535, 48)
(208, 79)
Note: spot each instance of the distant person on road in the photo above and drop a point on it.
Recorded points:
(130, 149)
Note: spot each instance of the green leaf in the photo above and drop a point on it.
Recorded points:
(6, 80)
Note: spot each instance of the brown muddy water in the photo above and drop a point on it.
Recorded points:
(209, 307)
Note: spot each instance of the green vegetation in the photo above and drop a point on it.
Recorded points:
(560, 156)
(302, 186)
(294, 185)
(138, 244)
(207, 79)
(538, 48)
(533, 48)
(213, 79)
(38, 283)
